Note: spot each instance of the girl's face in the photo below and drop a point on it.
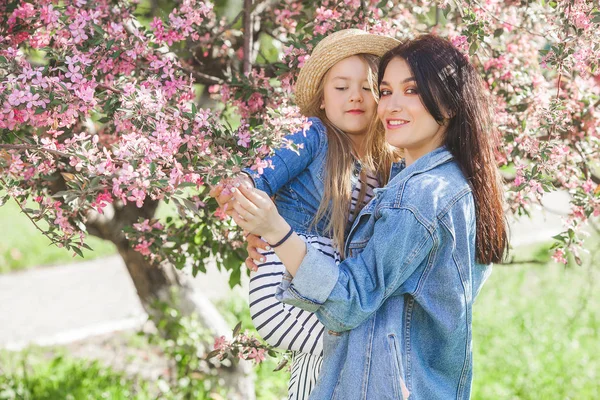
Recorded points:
(408, 125)
(347, 97)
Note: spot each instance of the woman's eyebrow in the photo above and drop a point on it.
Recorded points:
(409, 79)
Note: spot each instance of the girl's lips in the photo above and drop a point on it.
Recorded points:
(356, 112)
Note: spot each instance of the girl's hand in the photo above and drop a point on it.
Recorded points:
(256, 213)
(222, 191)
(254, 256)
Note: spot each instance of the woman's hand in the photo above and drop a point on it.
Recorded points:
(254, 256)
(256, 213)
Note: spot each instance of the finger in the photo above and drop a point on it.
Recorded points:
(240, 221)
(244, 202)
(247, 215)
(255, 255)
(215, 191)
(243, 180)
(256, 241)
(256, 196)
(251, 265)
(223, 198)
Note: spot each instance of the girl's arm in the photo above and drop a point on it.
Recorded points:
(346, 295)
(287, 164)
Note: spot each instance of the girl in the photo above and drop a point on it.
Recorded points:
(321, 190)
(398, 310)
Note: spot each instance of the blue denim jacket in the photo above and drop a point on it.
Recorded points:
(399, 307)
(297, 179)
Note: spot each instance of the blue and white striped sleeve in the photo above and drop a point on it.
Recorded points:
(282, 325)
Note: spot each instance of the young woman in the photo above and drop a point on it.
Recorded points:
(320, 190)
(398, 310)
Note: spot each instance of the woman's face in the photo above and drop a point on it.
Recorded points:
(347, 97)
(408, 125)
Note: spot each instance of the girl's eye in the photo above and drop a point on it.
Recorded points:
(367, 88)
(340, 88)
(412, 91)
(384, 92)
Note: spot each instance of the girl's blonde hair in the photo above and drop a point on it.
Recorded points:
(378, 157)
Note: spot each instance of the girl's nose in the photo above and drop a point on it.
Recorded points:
(356, 96)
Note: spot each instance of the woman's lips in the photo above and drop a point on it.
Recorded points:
(395, 123)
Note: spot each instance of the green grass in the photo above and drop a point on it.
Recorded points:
(537, 334)
(23, 246)
(28, 376)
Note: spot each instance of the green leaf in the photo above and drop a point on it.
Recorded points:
(237, 329)
(78, 251)
(109, 44)
(98, 29)
(473, 48)
(235, 277)
(39, 110)
(498, 32)
(4, 199)
(2, 59)
(281, 365)
(212, 354)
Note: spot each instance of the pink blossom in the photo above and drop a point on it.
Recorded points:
(243, 138)
(138, 196)
(588, 186)
(260, 165)
(101, 201)
(143, 247)
(221, 343)
(559, 256)
(255, 102)
(460, 42)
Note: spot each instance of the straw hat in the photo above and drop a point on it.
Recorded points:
(334, 48)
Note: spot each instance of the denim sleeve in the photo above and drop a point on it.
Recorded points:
(345, 295)
(287, 164)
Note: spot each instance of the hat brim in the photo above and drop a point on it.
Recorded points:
(321, 61)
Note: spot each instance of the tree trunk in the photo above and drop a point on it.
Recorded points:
(164, 283)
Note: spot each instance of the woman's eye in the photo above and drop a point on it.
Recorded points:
(411, 91)
(385, 92)
(340, 88)
(367, 88)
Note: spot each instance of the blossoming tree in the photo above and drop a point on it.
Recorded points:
(104, 113)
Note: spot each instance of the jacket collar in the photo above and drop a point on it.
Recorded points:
(427, 162)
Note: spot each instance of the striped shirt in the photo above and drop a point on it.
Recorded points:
(290, 328)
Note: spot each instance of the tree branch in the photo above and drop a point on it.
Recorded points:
(110, 88)
(34, 148)
(200, 77)
(248, 36)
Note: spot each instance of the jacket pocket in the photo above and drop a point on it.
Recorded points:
(400, 390)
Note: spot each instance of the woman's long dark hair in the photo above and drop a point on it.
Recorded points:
(453, 93)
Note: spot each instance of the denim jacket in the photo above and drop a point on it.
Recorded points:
(298, 178)
(399, 308)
